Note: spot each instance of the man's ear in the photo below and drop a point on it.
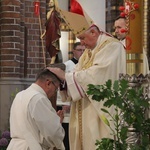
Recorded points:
(48, 82)
(93, 31)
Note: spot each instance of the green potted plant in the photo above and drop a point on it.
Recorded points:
(132, 126)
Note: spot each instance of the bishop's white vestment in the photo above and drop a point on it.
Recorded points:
(96, 66)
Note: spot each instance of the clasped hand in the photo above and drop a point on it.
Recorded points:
(60, 113)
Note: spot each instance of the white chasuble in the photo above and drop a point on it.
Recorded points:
(104, 62)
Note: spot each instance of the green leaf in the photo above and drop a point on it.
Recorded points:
(104, 110)
(105, 120)
(132, 103)
(116, 86)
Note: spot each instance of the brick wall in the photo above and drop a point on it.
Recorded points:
(21, 52)
(20, 45)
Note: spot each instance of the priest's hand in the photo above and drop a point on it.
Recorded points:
(60, 73)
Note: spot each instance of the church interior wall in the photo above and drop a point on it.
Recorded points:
(21, 52)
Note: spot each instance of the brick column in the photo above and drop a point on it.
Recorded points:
(10, 39)
(20, 50)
